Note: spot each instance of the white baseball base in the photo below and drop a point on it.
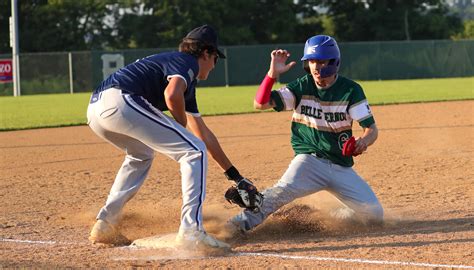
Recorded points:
(156, 241)
(164, 246)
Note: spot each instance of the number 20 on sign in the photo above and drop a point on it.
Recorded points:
(6, 69)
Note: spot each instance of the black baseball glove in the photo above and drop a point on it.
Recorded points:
(243, 193)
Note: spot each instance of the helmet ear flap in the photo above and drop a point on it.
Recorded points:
(335, 62)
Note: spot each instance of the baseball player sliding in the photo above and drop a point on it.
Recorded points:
(126, 110)
(324, 105)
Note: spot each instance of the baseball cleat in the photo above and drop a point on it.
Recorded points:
(105, 233)
(193, 240)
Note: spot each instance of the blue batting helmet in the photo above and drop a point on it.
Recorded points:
(322, 47)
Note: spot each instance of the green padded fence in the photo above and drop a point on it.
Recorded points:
(407, 60)
(247, 65)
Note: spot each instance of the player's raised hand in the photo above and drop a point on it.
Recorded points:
(278, 64)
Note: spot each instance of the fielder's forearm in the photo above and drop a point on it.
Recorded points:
(200, 129)
(176, 108)
(216, 152)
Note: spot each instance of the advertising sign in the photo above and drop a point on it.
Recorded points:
(6, 70)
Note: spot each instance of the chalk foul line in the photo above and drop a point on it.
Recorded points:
(281, 256)
(29, 241)
(316, 258)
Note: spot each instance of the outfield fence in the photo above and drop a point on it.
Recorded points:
(70, 72)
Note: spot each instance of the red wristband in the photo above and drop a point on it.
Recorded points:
(264, 90)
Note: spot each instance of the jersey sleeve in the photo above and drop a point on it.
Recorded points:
(285, 98)
(185, 67)
(190, 103)
(181, 67)
(191, 108)
(359, 108)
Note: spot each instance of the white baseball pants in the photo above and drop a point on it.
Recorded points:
(133, 125)
(308, 174)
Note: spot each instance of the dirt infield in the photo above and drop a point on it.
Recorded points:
(53, 182)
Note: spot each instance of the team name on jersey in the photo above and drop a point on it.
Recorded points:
(323, 115)
(319, 114)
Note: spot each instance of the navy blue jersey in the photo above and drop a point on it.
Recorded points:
(149, 77)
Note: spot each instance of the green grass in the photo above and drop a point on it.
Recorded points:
(42, 111)
(409, 91)
(55, 110)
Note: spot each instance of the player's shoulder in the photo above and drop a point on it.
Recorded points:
(185, 59)
(301, 83)
(305, 79)
(176, 63)
(182, 55)
(345, 84)
(349, 82)
(173, 56)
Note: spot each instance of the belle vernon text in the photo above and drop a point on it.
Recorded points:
(318, 114)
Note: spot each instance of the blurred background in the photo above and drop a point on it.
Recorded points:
(71, 45)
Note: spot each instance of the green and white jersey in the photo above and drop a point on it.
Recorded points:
(322, 118)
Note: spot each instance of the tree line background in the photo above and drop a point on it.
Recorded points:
(73, 25)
